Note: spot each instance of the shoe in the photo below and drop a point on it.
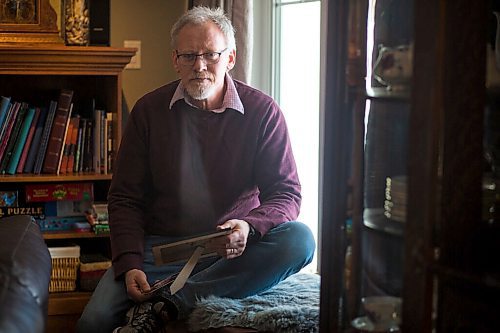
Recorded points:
(162, 310)
(141, 319)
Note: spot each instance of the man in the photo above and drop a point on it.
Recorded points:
(199, 154)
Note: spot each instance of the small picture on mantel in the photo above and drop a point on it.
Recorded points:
(18, 11)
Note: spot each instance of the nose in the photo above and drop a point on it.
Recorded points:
(199, 64)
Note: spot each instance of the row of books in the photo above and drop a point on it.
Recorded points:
(52, 139)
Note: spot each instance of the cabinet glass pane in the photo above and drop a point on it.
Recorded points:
(389, 56)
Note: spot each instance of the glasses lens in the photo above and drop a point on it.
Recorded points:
(189, 59)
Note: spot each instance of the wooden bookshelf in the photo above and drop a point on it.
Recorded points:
(31, 73)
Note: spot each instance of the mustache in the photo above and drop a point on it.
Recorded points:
(201, 76)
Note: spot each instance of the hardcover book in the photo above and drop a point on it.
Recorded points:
(45, 137)
(35, 143)
(29, 140)
(65, 148)
(88, 150)
(66, 130)
(21, 140)
(75, 123)
(52, 156)
(79, 146)
(9, 150)
(4, 108)
(6, 131)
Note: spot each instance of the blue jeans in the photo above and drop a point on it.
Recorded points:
(283, 251)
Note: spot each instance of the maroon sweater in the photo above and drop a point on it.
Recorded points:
(183, 171)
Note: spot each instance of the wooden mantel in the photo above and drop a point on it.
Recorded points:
(61, 59)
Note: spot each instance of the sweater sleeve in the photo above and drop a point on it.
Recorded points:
(276, 175)
(127, 198)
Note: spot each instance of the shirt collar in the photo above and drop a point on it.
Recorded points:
(231, 98)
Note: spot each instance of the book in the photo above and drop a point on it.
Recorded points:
(182, 250)
(20, 142)
(97, 141)
(7, 116)
(110, 145)
(6, 131)
(45, 137)
(9, 150)
(88, 158)
(35, 143)
(79, 145)
(104, 143)
(66, 129)
(4, 108)
(75, 124)
(29, 140)
(61, 191)
(53, 153)
(65, 148)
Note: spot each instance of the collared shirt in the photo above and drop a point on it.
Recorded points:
(231, 98)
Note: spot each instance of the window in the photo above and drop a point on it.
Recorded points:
(295, 84)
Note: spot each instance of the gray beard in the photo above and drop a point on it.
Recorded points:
(200, 92)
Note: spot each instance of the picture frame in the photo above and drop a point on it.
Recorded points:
(181, 251)
(28, 21)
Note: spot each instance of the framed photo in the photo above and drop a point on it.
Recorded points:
(31, 21)
(180, 251)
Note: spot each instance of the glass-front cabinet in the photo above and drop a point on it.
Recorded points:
(410, 167)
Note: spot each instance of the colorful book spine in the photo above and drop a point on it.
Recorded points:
(63, 159)
(79, 146)
(52, 156)
(72, 144)
(45, 137)
(97, 141)
(13, 137)
(4, 108)
(6, 132)
(20, 142)
(35, 144)
(110, 144)
(88, 160)
(29, 140)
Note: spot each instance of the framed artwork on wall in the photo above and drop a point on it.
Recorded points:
(28, 21)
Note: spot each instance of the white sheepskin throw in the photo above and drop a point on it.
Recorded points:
(290, 306)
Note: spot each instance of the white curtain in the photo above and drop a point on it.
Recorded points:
(240, 12)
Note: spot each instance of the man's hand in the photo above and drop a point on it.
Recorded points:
(136, 283)
(234, 244)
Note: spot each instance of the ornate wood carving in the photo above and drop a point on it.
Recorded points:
(28, 21)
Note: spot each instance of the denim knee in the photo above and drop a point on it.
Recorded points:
(297, 241)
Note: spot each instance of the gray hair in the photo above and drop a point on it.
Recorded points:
(199, 15)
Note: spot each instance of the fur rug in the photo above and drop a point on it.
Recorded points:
(290, 306)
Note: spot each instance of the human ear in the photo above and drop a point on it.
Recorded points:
(232, 60)
(174, 62)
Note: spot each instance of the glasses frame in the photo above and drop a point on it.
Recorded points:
(201, 55)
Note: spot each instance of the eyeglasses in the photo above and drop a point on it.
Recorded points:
(188, 59)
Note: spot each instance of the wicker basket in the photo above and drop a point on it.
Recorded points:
(65, 262)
